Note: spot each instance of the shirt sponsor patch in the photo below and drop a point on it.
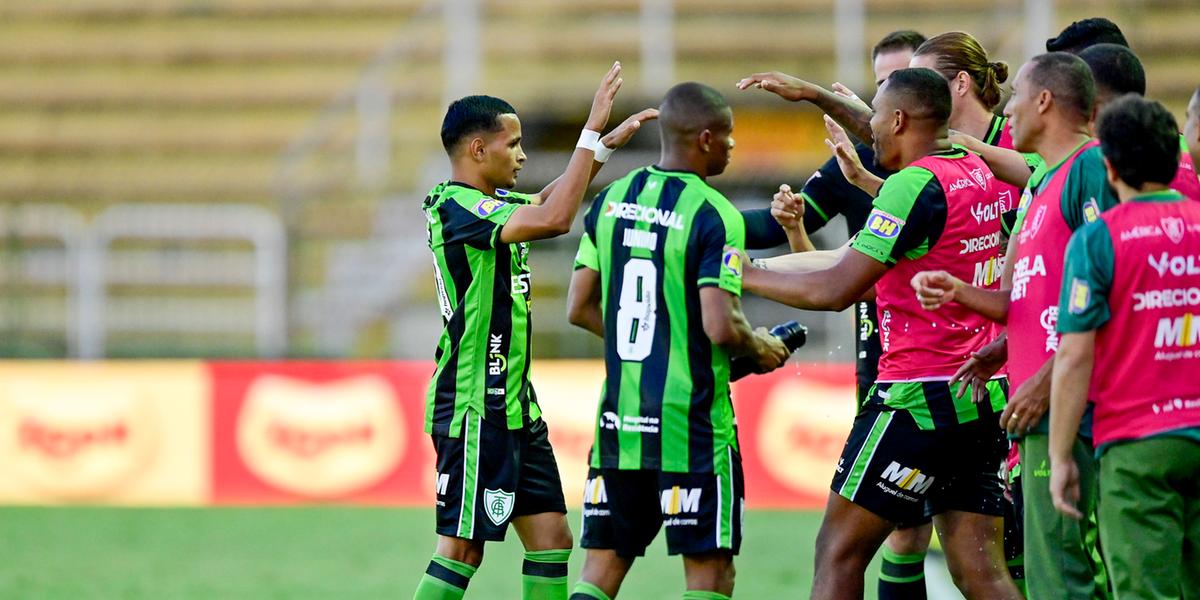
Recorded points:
(732, 261)
(488, 206)
(501, 193)
(1091, 210)
(883, 224)
(1081, 295)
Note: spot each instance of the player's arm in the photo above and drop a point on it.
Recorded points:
(552, 213)
(583, 301)
(787, 208)
(818, 287)
(762, 230)
(938, 288)
(726, 326)
(613, 140)
(1009, 166)
(851, 114)
(1068, 400)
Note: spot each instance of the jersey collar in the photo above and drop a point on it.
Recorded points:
(1161, 196)
(995, 130)
(675, 172)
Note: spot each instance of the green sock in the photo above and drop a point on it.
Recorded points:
(586, 591)
(444, 579)
(544, 575)
(703, 595)
(902, 576)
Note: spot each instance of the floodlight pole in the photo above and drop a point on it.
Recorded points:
(658, 46)
(1039, 17)
(850, 23)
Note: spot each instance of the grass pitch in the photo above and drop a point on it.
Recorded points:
(324, 552)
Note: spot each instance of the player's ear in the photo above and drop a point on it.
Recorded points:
(899, 120)
(705, 140)
(476, 149)
(1045, 99)
(962, 83)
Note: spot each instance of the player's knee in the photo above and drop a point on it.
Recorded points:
(910, 540)
(461, 550)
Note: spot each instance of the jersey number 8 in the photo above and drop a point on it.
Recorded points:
(637, 312)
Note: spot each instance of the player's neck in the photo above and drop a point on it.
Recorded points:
(473, 179)
(680, 162)
(920, 148)
(972, 119)
(1059, 140)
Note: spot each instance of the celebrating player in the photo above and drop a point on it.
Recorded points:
(494, 461)
(1128, 295)
(1050, 111)
(654, 280)
(1191, 129)
(914, 439)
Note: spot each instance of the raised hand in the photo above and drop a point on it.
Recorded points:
(849, 94)
(788, 208)
(782, 85)
(624, 132)
(848, 161)
(603, 102)
(934, 288)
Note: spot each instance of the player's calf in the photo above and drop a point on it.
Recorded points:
(450, 570)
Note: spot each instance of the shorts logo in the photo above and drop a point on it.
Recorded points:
(594, 492)
(1091, 210)
(732, 262)
(1081, 294)
(498, 504)
(442, 483)
(883, 224)
(679, 500)
(907, 479)
(1173, 227)
(488, 206)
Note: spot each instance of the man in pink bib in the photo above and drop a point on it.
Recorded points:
(1129, 300)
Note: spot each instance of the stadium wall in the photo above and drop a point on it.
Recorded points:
(279, 433)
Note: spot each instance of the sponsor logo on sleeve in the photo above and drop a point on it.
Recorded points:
(488, 206)
(1091, 210)
(732, 261)
(1081, 296)
(883, 224)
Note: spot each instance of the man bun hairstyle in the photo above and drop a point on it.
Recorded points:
(960, 52)
(471, 115)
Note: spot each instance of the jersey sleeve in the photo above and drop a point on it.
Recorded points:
(823, 195)
(1087, 280)
(1087, 193)
(906, 217)
(587, 256)
(762, 230)
(476, 219)
(712, 231)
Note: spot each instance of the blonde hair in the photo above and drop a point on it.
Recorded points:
(960, 52)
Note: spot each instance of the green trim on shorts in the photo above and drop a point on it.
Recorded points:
(724, 471)
(466, 514)
(854, 480)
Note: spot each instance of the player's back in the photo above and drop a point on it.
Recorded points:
(659, 237)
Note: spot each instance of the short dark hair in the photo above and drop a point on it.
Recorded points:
(921, 92)
(1116, 69)
(1086, 33)
(470, 115)
(689, 108)
(1140, 139)
(905, 39)
(1068, 78)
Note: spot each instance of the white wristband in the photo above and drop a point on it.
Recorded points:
(588, 140)
(603, 152)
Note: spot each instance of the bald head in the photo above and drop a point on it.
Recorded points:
(1069, 80)
(690, 108)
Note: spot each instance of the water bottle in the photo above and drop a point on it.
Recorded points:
(792, 334)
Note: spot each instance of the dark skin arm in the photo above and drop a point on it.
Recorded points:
(583, 301)
(830, 288)
(851, 114)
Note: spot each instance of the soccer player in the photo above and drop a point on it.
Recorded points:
(654, 280)
(1050, 110)
(1118, 71)
(1129, 292)
(494, 461)
(914, 439)
(1191, 128)
(1085, 33)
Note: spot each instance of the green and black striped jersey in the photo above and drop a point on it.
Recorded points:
(656, 237)
(483, 292)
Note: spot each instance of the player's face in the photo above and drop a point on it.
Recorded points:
(503, 156)
(1022, 111)
(1191, 127)
(888, 62)
(882, 129)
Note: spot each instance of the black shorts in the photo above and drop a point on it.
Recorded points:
(624, 509)
(491, 474)
(905, 474)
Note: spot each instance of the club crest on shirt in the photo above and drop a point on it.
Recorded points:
(1091, 210)
(1173, 227)
(732, 261)
(1081, 294)
(488, 206)
(883, 224)
(977, 175)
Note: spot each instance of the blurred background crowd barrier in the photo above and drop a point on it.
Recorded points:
(202, 433)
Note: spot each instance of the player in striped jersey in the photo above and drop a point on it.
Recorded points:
(494, 461)
(654, 279)
(916, 439)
